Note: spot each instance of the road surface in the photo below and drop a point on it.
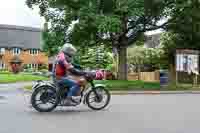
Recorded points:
(126, 114)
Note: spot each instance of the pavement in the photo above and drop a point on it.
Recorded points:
(125, 114)
(20, 85)
(152, 92)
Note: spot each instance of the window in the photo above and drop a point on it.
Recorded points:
(34, 51)
(2, 50)
(29, 65)
(16, 51)
(33, 66)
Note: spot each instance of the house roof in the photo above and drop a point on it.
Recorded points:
(153, 41)
(20, 36)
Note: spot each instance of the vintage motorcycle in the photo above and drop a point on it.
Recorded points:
(47, 95)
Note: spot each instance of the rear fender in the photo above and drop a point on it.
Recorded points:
(39, 87)
(43, 83)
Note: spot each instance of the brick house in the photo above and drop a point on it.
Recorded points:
(23, 43)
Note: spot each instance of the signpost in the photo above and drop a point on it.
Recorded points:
(187, 61)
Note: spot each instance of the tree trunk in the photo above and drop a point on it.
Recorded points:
(122, 64)
(172, 69)
(172, 75)
(139, 71)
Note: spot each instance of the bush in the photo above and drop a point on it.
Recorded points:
(44, 71)
(129, 85)
(21, 77)
(25, 66)
(110, 67)
(175, 87)
(5, 72)
(42, 66)
(29, 70)
(25, 70)
(37, 73)
(48, 74)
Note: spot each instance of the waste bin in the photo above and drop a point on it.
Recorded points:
(164, 78)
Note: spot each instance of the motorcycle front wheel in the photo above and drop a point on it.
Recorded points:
(44, 99)
(98, 98)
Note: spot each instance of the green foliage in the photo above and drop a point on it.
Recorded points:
(110, 67)
(171, 41)
(25, 66)
(94, 57)
(121, 85)
(12, 78)
(52, 40)
(187, 23)
(140, 55)
(99, 17)
(184, 31)
(42, 67)
(115, 23)
(4, 72)
(169, 44)
(44, 71)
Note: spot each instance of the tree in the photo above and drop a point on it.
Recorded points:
(185, 29)
(54, 37)
(140, 56)
(183, 33)
(118, 22)
(90, 58)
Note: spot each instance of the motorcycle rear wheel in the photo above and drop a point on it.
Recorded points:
(44, 98)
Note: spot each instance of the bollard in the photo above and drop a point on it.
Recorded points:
(164, 78)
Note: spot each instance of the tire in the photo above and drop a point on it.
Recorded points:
(35, 93)
(106, 103)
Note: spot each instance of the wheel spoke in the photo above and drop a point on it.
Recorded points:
(98, 103)
(37, 100)
(92, 97)
(52, 101)
(40, 103)
(92, 101)
(44, 99)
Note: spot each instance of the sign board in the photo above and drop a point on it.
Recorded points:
(187, 61)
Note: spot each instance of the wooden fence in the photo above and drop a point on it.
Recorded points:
(184, 77)
(145, 76)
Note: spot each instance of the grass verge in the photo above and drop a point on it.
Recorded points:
(118, 85)
(21, 77)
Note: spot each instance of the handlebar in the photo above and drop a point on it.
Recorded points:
(90, 76)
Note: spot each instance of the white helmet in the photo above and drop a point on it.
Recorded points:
(69, 49)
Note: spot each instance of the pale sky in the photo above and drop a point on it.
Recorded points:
(15, 12)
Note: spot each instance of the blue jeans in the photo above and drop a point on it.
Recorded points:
(73, 86)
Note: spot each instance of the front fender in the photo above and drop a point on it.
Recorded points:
(89, 89)
(100, 85)
(96, 86)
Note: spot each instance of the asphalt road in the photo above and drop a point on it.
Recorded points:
(126, 114)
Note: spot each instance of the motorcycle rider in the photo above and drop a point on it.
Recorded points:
(63, 69)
